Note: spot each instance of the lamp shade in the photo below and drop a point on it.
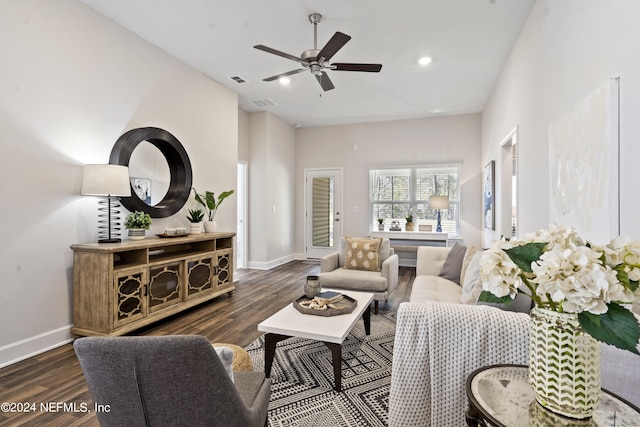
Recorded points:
(106, 180)
(439, 202)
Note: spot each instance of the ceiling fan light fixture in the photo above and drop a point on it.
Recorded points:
(284, 80)
(425, 60)
(316, 69)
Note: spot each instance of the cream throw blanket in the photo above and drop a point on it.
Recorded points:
(437, 346)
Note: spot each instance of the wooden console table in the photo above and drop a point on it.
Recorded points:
(120, 287)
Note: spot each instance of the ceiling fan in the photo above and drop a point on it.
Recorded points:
(317, 60)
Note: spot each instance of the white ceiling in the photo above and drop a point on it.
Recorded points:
(469, 41)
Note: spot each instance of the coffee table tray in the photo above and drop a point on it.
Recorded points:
(345, 306)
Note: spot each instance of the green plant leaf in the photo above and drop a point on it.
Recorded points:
(524, 255)
(211, 200)
(224, 195)
(199, 198)
(487, 296)
(618, 327)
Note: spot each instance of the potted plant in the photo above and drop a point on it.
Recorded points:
(380, 224)
(211, 204)
(195, 217)
(137, 222)
(409, 225)
(580, 291)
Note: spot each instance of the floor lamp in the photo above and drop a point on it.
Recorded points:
(439, 203)
(111, 182)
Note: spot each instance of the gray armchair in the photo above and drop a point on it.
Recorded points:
(381, 283)
(169, 381)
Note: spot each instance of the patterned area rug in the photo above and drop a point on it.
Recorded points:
(302, 391)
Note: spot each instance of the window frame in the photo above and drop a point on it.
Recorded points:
(413, 200)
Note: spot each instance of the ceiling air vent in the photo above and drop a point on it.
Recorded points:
(264, 102)
(238, 79)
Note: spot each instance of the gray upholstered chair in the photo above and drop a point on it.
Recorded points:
(381, 283)
(169, 381)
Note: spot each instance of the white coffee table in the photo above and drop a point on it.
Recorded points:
(332, 330)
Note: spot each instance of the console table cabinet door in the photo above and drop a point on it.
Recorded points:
(130, 299)
(224, 269)
(200, 276)
(164, 286)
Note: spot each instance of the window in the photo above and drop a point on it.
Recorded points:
(396, 192)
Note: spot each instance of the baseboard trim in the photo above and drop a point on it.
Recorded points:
(33, 346)
(255, 265)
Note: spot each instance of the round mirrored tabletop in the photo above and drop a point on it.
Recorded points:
(500, 395)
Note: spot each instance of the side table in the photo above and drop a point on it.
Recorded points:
(500, 395)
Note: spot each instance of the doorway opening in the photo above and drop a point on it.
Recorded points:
(509, 185)
(241, 225)
(323, 204)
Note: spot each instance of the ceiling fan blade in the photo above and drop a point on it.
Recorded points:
(288, 73)
(279, 53)
(325, 81)
(333, 45)
(371, 68)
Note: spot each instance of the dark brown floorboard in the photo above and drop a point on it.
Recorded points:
(55, 376)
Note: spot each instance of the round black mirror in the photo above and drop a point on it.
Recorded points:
(180, 176)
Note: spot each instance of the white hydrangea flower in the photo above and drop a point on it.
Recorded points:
(569, 272)
(499, 274)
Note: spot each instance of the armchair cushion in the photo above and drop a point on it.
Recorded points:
(362, 254)
(355, 280)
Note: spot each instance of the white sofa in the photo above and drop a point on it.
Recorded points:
(440, 341)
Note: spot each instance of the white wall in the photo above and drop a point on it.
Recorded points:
(272, 150)
(567, 49)
(358, 147)
(72, 82)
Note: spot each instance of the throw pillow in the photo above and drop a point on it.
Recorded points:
(225, 354)
(362, 254)
(471, 284)
(522, 303)
(471, 250)
(453, 264)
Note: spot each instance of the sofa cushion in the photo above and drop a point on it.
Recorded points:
(430, 260)
(362, 254)
(357, 280)
(453, 264)
(435, 288)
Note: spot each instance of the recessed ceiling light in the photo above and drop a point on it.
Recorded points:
(425, 60)
(284, 80)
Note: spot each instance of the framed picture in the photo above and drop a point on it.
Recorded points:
(142, 187)
(424, 227)
(488, 196)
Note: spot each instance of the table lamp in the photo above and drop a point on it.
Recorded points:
(439, 203)
(111, 181)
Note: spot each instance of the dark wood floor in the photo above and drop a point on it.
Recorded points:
(56, 377)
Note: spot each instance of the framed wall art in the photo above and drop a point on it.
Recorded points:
(488, 196)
